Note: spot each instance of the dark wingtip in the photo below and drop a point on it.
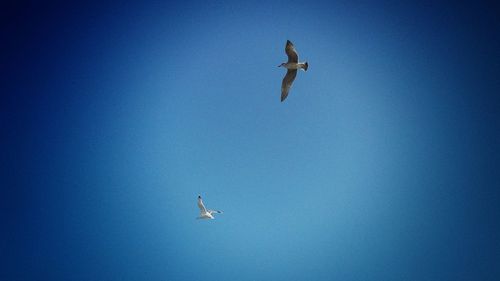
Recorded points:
(199, 196)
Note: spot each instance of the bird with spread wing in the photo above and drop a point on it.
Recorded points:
(292, 65)
(204, 212)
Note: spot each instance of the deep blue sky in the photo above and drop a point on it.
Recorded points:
(382, 164)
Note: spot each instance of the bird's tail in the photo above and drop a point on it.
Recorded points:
(305, 66)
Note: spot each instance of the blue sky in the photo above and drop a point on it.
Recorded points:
(382, 164)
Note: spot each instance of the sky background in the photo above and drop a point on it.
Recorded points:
(382, 164)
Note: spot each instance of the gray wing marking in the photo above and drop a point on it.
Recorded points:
(291, 52)
(287, 83)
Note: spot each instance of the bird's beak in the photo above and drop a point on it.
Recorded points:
(279, 65)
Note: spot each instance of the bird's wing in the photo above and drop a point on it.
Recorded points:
(287, 83)
(291, 53)
(201, 206)
(214, 211)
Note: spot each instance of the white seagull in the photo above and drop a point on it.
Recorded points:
(292, 65)
(204, 213)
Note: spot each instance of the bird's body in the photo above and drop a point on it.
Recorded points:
(206, 215)
(292, 65)
(204, 212)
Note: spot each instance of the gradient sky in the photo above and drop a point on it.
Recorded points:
(382, 164)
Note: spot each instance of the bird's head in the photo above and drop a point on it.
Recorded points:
(283, 64)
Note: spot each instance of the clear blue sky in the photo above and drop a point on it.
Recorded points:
(382, 164)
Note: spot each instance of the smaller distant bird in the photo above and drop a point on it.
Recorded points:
(292, 65)
(204, 213)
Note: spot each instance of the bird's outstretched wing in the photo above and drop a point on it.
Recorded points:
(214, 211)
(291, 52)
(201, 205)
(287, 83)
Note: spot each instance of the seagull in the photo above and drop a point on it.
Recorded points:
(292, 65)
(204, 213)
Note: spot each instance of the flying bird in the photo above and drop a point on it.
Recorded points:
(292, 65)
(204, 213)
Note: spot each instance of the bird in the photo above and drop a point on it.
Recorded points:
(292, 65)
(204, 213)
